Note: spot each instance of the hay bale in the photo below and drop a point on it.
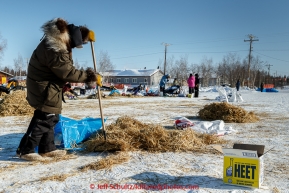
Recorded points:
(15, 104)
(129, 134)
(227, 112)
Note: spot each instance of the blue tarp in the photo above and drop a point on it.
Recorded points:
(114, 91)
(268, 90)
(69, 132)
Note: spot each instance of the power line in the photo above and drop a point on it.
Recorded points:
(209, 52)
(138, 55)
(271, 57)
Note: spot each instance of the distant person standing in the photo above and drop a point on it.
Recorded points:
(197, 84)
(262, 86)
(163, 82)
(238, 85)
(175, 83)
(191, 83)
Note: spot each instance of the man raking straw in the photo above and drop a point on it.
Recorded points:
(50, 67)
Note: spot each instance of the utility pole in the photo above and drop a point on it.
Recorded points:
(251, 39)
(269, 65)
(27, 60)
(165, 63)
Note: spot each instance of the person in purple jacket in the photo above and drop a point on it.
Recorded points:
(191, 83)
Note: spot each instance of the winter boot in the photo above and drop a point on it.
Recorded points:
(32, 157)
(56, 153)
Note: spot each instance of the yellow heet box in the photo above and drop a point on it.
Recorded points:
(244, 165)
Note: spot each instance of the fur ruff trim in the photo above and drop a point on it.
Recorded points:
(91, 77)
(57, 36)
(84, 33)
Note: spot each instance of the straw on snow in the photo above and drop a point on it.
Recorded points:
(129, 134)
(227, 112)
(107, 162)
(15, 104)
(58, 177)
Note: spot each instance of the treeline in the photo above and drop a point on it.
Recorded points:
(228, 71)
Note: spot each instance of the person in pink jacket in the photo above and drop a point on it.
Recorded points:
(191, 83)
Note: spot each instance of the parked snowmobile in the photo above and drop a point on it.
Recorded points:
(12, 85)
(173, 90)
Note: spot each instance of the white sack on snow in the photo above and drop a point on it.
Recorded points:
(124, 89)
(239, 97)
(212, 127)
(223, 94)
(233, 98)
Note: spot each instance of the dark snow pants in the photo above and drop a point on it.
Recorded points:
(191, 90)
(196, 92)
(40, 133)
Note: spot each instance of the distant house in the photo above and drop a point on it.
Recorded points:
(4, 76)
(133, 77)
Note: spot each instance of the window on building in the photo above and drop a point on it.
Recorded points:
(118, 80)
(126, 80)
(134, 80)
(145, 80)
(111, 80)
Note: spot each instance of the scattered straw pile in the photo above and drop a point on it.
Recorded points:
(15, 104)
(108, 162)
(228, 113)
(61, 177)
(128, 134)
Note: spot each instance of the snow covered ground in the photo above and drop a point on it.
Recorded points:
(202, 170)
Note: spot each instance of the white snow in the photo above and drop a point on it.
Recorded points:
(204, 170)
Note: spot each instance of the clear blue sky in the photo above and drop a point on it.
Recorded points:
(131, 31)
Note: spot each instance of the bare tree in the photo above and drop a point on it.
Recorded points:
(3, 44)
(229, 69)
(206, 70)
(180, 69)
(104, 65)
(18, 64)
(76, 64)
(256, 65)
(194, 68)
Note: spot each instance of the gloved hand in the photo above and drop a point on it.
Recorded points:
(91, 36)
(99, 79)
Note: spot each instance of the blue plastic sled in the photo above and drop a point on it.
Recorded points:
(268, 90)
(69, 132)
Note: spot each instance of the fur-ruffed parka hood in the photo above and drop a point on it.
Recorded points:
(59, 36)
